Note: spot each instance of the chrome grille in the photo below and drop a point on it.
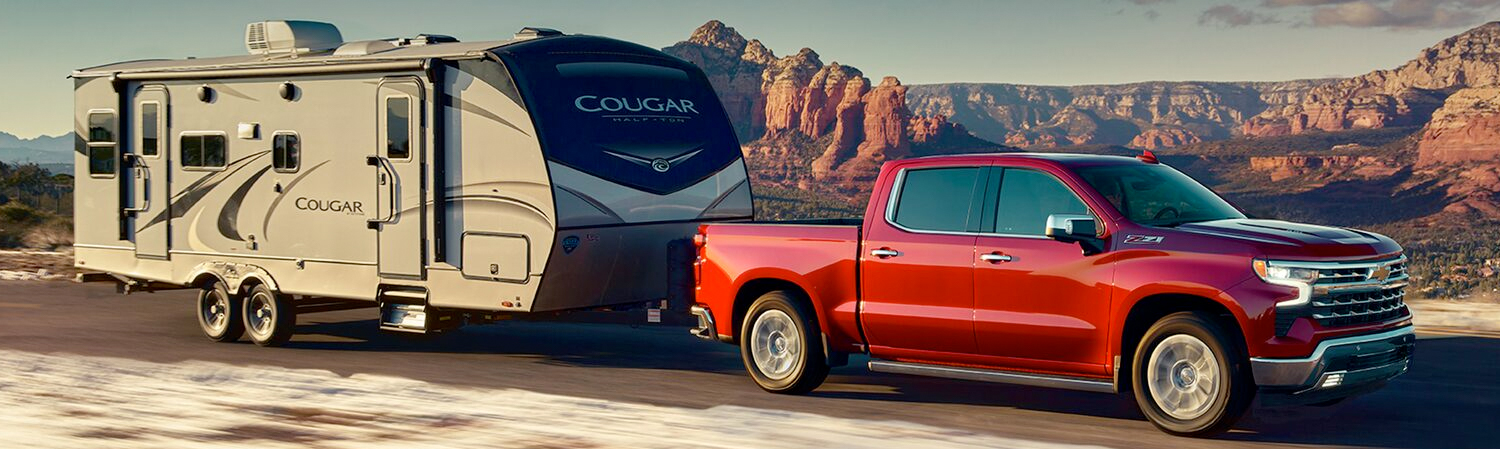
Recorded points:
(1350, 294)
(1347, 309)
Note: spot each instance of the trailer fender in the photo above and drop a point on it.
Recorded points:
(234, 275)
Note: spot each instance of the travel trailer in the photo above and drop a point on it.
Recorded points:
(443, 181)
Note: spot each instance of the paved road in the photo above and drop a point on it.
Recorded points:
(1451, 398)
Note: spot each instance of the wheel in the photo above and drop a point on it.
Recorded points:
(270, 318)
(1189, 376)
(219, 313)
(780, 344)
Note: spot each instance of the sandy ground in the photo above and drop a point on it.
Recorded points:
(98, 402)
(26, 265)
(1437, 314)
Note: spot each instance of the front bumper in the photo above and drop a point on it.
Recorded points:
(1337, 368)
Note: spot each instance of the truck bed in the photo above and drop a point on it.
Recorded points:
(817, 256)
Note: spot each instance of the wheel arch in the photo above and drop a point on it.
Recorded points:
(1149, 309)
(753, 289)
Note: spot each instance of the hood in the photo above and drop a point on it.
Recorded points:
(1297, 241)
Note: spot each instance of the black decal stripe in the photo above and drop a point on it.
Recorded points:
(722, 197)
(593, 202)
(498, 198)
(265, 228)
(465, 105)
(229, 215)
(195, 192)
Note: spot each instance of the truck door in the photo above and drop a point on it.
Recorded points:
(146, 171)
(400, 163)
(1039, 303)
(918, 263)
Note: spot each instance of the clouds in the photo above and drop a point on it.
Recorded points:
(1232, 16)
(1400, 14)
(1379, 14)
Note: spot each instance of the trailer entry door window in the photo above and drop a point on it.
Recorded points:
(937, 199)
(101, 144)
(203, 151)
(398, 127)
(150, 128)
(286, 152)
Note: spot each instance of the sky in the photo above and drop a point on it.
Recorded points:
(1056, 42)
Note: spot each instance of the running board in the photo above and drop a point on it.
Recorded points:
(985, 375)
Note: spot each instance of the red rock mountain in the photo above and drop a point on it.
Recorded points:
(1404, 96)
(806, 121)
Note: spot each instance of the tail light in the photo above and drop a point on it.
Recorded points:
(700, 241)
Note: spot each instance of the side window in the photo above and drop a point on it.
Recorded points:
(1027, 197)
(398, 127)
(150, 128)
(101, 144)
(286, 152)
(936, 199)
(204, 151)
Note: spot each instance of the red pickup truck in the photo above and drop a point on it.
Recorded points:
(1098, 273)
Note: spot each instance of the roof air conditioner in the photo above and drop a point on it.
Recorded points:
(291, 37)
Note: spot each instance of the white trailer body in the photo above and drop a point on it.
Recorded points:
(547, 172)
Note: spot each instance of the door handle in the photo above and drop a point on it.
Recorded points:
(885, 253)
(996, 258)
(143, 174)
(388, 179)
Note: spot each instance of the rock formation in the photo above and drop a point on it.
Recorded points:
(1466, 128)
(1403, 96)
(784, 106)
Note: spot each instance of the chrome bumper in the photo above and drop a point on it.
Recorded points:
(1339, 365)
(705, 329)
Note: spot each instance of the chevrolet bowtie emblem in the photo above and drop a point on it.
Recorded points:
(1381, 273)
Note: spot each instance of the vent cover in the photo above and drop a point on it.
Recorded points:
(291, 37)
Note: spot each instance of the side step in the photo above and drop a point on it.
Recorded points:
(984, 375)
(406, 310)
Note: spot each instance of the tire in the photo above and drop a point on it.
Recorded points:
(270, 318)
(219, 313)
(782, 346)
(1180, 398)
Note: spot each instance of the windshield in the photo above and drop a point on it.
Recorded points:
(633, 121)
(1157, 195)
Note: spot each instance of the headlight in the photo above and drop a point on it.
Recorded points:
(1271, 272)
(1291, 276)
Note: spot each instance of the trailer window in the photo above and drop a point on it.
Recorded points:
(203, 151)
(936, 199)
(101, 144)
(286, 151)
(398, 127)
(150, 127)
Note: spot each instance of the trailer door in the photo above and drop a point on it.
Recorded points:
(398, 180)
(146, 168)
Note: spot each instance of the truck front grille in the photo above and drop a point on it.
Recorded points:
(1349, 309)
(1350, 294)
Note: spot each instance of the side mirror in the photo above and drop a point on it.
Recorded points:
(1080, 229)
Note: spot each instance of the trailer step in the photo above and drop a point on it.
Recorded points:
(405, 309)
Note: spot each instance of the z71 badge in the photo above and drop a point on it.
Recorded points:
(1143, 239)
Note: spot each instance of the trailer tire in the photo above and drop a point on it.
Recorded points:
(219, 313)
(1202, 382)
(781, 345)
(270, 317)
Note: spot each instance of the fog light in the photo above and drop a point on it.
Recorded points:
(1333, 380)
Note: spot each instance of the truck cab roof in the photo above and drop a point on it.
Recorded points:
(1071, 160)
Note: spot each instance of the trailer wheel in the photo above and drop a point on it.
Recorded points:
(1190, 379)
(270, 317)
(219, 313)
(780, 344)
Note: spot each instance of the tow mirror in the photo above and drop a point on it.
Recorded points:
(1080, 229)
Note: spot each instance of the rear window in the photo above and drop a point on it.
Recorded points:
(643, 122)
(937, 199)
